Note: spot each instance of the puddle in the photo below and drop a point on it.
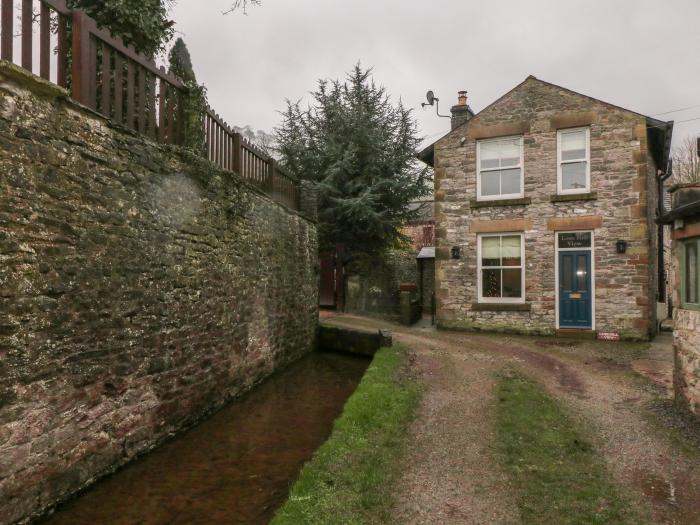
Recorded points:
(675, 501)
(557, 344)
(656, 488)
(235, 467)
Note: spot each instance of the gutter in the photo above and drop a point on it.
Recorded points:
(677, 213)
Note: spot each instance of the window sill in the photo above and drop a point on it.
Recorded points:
(569, 197)
(502, 202)
(501, 307)
(693, 307)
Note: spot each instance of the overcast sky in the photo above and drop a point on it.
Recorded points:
(639, 54)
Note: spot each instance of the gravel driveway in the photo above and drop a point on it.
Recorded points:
(451, 474)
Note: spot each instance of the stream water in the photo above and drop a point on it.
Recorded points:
(235, 467)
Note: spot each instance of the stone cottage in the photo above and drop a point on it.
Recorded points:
(545, 208)
(685, 220)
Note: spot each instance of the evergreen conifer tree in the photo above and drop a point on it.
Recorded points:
(180, 62)
(359, 148)
(194, 101)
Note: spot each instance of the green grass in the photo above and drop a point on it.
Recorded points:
(350, 478)
(558, 475)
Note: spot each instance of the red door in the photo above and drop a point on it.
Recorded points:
(327, 291)
(332, 292)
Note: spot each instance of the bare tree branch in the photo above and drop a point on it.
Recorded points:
(686, 163)
(242, 5)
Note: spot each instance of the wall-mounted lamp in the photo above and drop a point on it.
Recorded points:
(621, 246)
(456, 252)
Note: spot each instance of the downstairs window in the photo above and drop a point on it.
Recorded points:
(501, 268)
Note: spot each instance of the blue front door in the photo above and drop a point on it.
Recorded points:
(575, 301)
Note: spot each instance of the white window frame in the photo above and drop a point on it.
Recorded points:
(489, 300)
(587, 189)
(520, 195)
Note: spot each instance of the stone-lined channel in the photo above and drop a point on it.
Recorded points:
(235, 467)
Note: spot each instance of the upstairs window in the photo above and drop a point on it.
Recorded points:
(573, 157)
(501, 268)
(690, 274)
(500, 168)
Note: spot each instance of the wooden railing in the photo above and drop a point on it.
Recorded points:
(230, 151)
(113, 79)
(49, 9)
(124, 86)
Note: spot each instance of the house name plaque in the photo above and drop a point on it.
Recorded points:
(575, 240)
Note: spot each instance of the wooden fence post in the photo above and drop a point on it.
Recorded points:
(237, 154)
(7, 29)
(45, 42)
(272, 174)
(62, 51)
(83, 71)
(27, 36)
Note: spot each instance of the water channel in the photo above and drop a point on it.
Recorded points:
(235, 467)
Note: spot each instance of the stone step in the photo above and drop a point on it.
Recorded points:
(666, 325)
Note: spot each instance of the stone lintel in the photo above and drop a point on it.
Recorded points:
(585, 222)
(480, 131)
(502, 225)
(572, 119)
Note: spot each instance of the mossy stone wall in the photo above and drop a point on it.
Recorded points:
(140, 288)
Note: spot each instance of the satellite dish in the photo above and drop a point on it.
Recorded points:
(433, 101)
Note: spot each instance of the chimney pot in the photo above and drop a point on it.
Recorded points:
(460, 112)
(462, 98)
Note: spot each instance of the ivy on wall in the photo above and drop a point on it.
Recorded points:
(141, 23)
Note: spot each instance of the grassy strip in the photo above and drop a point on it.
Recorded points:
(349, 480)
(559, 477)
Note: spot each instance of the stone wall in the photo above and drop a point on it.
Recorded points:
(373, 285)
(140, 288)
(352, 341)
(686, 376)
(686, 330)
(616, 209)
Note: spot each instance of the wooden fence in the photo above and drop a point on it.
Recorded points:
(230, 151)
(113, 79)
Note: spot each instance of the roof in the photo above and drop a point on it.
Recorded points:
(427, 252)
(424, 210)
(660, 132)
(427, 155)
(689, 210)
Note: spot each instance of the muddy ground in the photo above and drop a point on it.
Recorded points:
(618, 392)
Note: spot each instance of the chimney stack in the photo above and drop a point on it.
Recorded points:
(461, 112)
